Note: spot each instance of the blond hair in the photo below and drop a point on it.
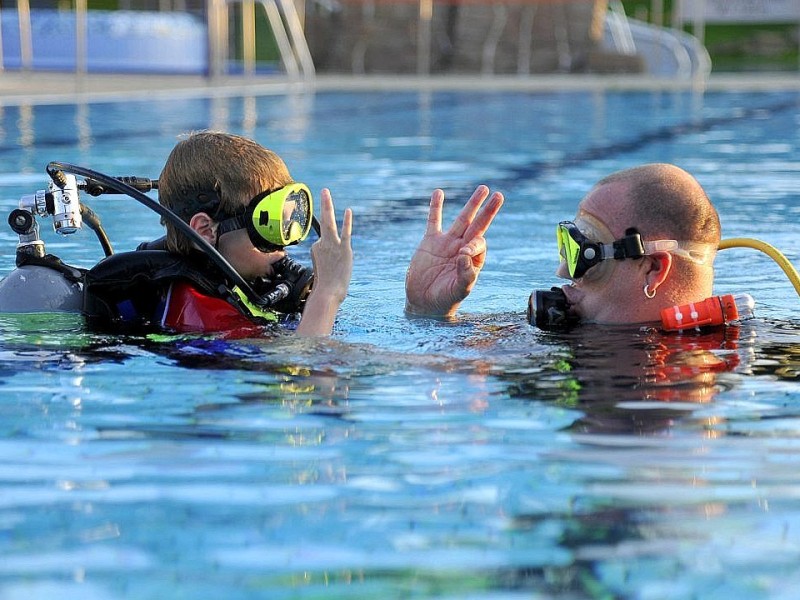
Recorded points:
(234, 167)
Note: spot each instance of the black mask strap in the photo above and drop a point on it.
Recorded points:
(197, 201)
(630, 246)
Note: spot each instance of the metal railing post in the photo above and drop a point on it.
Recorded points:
(2, 64)
(249, 36)
(217, 25)
(25, 37)
(81, 43)
(424, 37)
(699, 23)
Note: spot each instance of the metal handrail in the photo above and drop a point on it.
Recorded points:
(288, 56)
(285, 24)
(298, 38)
(619, 28)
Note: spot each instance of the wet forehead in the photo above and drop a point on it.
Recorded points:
(607, 203)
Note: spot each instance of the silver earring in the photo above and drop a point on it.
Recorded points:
(648, 292)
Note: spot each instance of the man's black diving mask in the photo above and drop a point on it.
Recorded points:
(581, 254)
(276, 219)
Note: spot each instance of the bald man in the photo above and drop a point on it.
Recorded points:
(643, 239)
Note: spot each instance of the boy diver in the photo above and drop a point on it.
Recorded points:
(239, 198)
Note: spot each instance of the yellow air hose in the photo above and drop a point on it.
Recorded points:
(770, 251)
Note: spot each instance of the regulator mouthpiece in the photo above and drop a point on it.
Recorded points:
(549, 310)
(293, 284)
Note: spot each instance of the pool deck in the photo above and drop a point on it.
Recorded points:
(20, 88)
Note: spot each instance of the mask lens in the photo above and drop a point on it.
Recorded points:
(568, 248)
(281, 218)
(296, 216)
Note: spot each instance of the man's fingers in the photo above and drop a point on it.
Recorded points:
(466, 272)
(485, 217)
(467, 214)
(435, 213)
(476, 246)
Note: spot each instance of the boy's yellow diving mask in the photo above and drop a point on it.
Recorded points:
(275, 219)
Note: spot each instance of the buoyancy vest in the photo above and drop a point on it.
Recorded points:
(147, 290)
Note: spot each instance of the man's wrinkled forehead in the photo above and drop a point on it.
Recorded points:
(606, 204)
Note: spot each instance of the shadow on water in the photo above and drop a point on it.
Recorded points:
(633, 380)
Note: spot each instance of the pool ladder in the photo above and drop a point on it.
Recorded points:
(286, 26)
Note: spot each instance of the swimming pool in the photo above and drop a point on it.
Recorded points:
(408, 458)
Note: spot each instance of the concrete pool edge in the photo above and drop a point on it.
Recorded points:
(31, 88)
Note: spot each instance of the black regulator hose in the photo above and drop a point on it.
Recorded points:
(93, 187)
(93, 221)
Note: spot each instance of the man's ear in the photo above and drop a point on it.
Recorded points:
(659, 265)
(205, 226)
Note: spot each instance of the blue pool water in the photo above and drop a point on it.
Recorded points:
(409, 458)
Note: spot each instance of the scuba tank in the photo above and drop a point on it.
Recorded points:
(42, 282)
